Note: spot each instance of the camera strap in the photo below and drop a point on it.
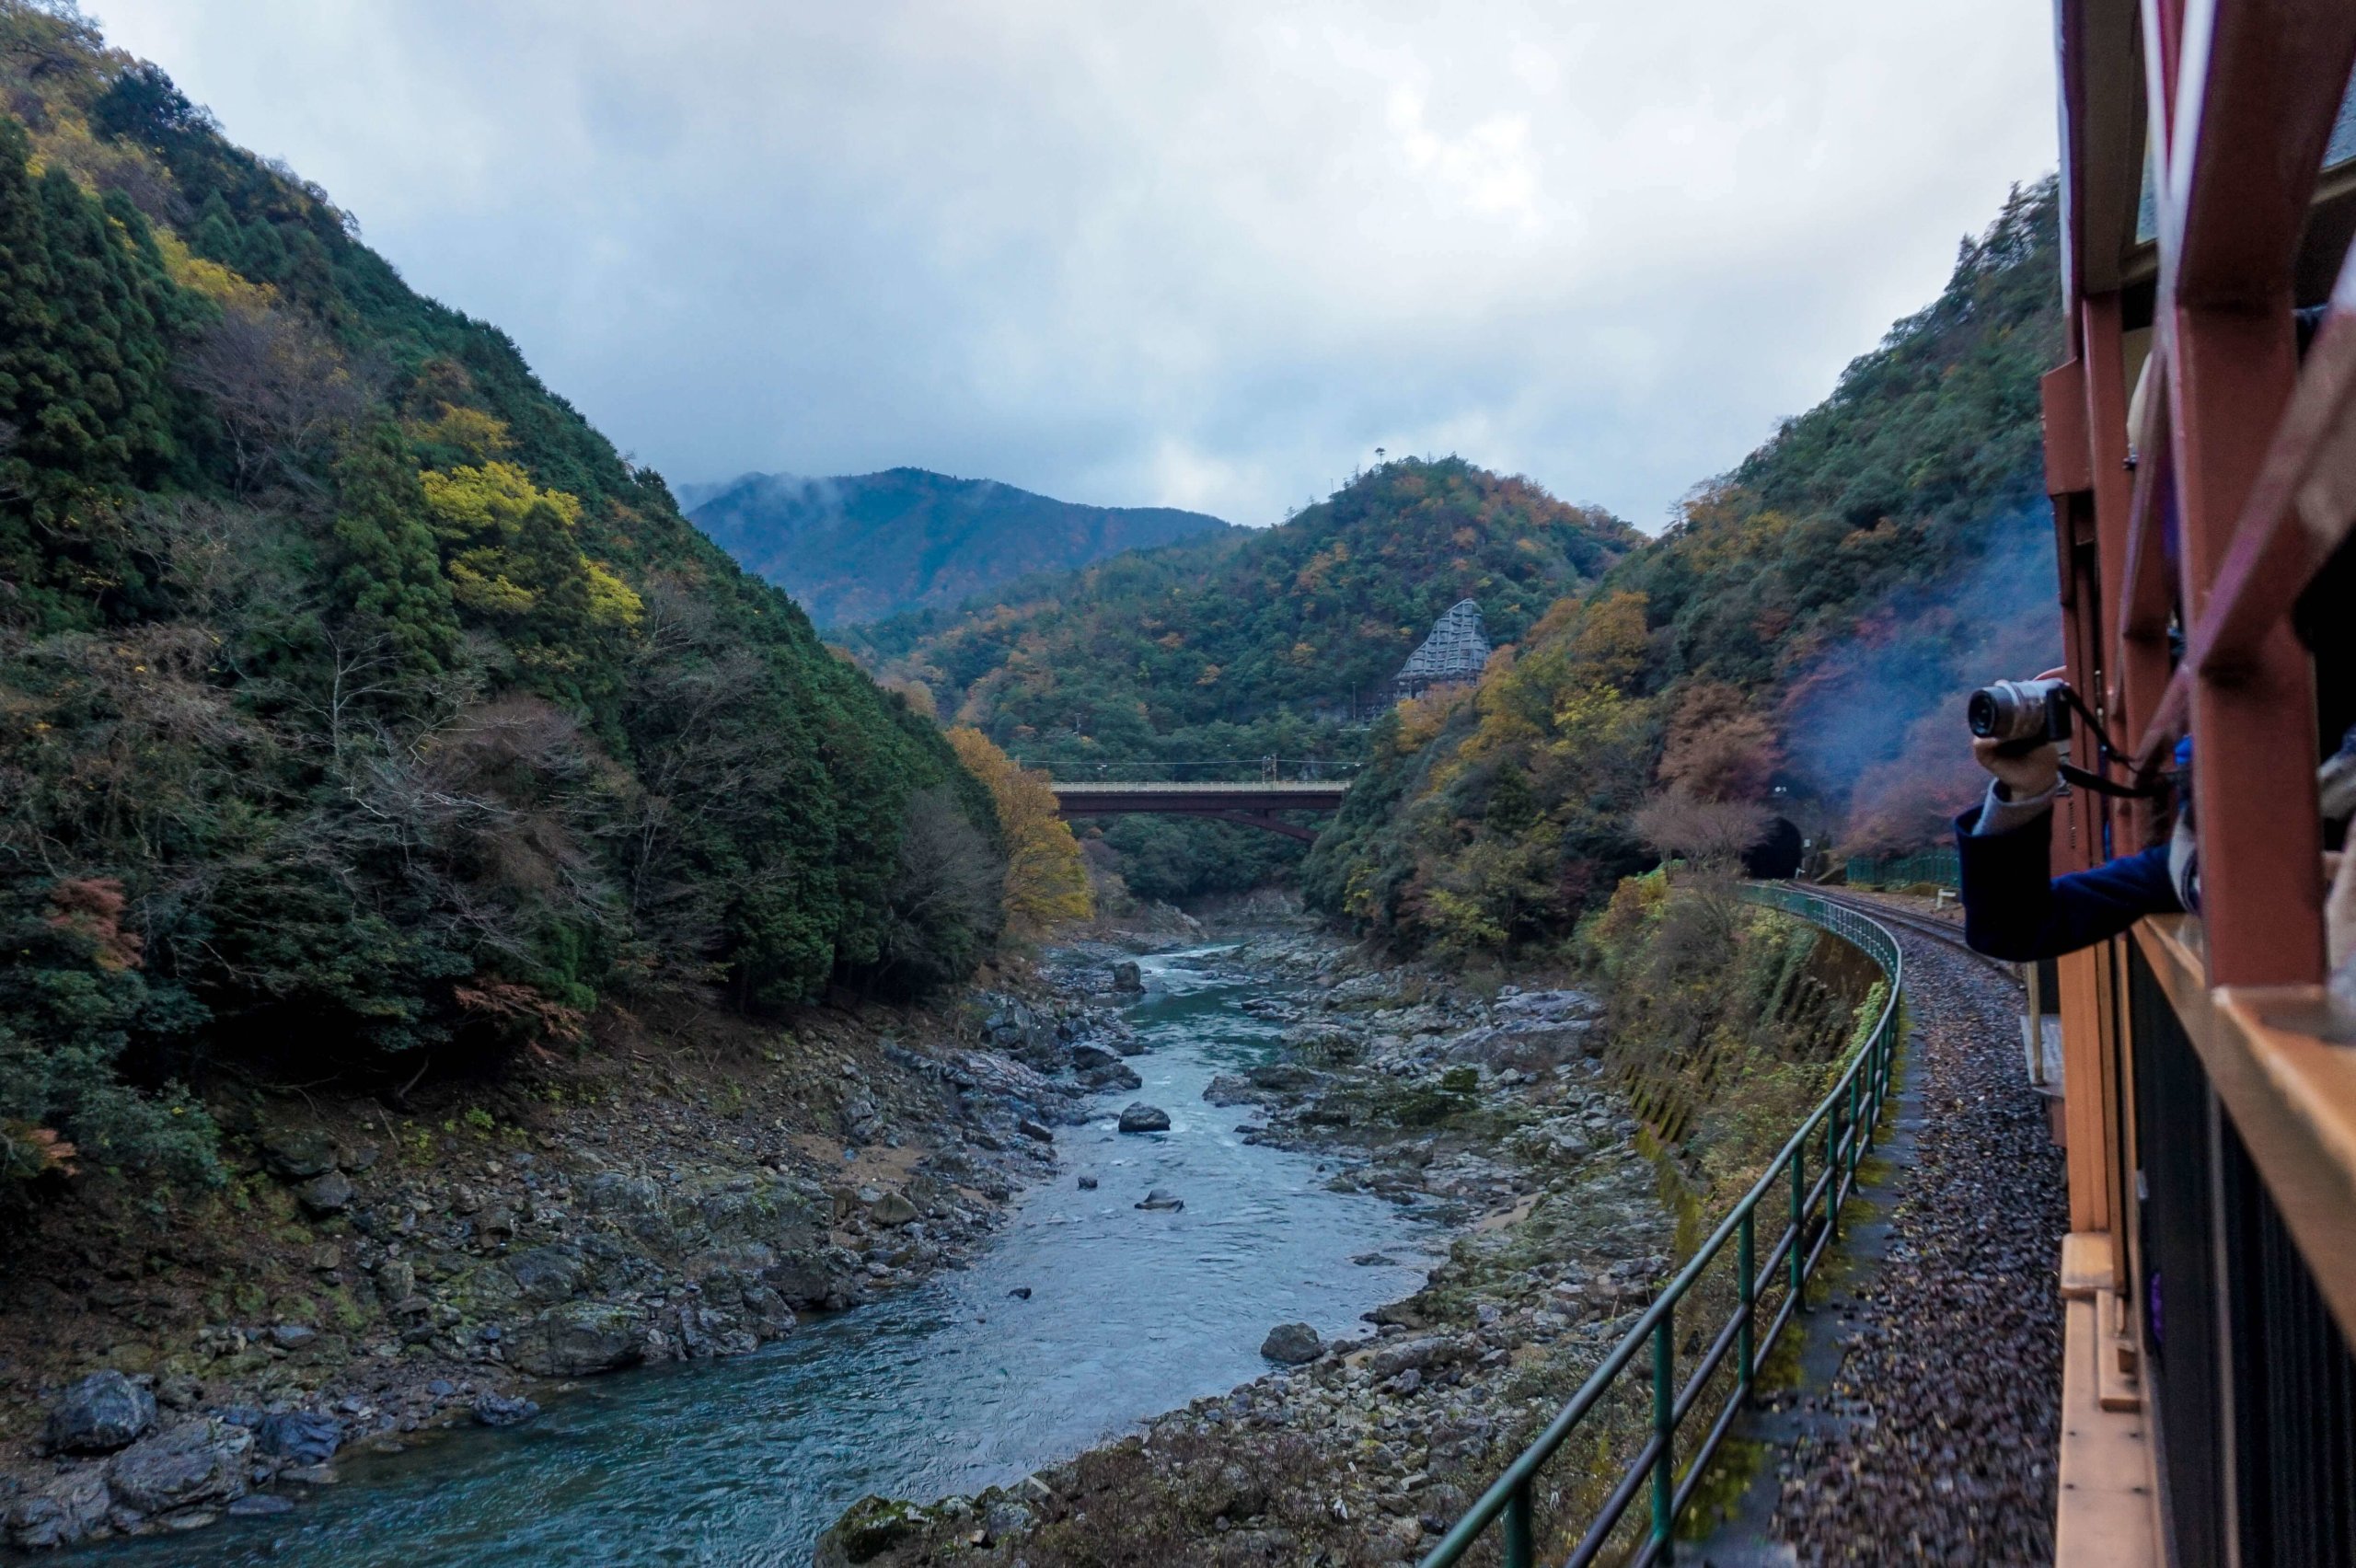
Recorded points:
(2101, 786)
(2108, 753)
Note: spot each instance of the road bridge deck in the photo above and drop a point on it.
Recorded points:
(1247, 803)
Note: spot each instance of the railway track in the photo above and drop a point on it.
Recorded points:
(1938, 932)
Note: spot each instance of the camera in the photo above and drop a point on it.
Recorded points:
(2022, 715)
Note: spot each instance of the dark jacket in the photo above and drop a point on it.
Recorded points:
(2014, 908)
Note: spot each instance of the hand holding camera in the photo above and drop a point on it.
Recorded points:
(2024, 775)
(2021, 733)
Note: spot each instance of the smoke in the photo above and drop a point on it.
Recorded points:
(1879, 723)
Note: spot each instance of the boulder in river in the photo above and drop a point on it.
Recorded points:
(1292, 1344)
(1142, 1118)
(299, 1436)
(1119, 1075)
(1127, 977)
(498, 1410)
(1088, 1183)
(579, 1338)
(202, 1463)
(868, 1529)
(60, 1513)
(104, 1411)
(1088, 1057)
(1161, 1198)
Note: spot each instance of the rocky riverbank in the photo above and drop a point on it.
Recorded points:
(1489, 1109)
(685, 1186)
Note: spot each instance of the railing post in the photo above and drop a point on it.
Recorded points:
(1665, 1430)
(1745, 1348)
(1520, 1544)
(1856, 1144)
(1799, 1228)
(1832, 1172)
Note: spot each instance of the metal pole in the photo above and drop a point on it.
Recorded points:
(1665, 1430)
(1519, 1550)
(1832, 1174)
(1746, 1345)
(1855, 1145)
(1799, 1229)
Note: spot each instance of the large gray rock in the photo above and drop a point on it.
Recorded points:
(1160, 1198)
(891, 1207)
(494, 1409)
(1231, 1088)
(580, 1338)
(1142, 1118)
(1127, 977)
(1419, 1355)
(102, 1412)
(1292, 1344)
(549, 1274)
(297, 1153)
(63, 1512)
(868, 1529)
(328, 1193)
(299, 1436)
(1088, 1057)
(1120, 1076)
(200, 1463)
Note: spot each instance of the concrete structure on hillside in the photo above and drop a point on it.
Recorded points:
(1452, 655)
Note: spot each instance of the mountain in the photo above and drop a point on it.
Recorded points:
(1244, 644)
(362, 710)
(1802, 637)
(693, 494)
(865, 547)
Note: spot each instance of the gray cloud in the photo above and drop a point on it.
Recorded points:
(1204, 255)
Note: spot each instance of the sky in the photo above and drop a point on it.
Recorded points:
(1208, 255)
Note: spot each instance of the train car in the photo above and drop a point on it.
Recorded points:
(2200, 451)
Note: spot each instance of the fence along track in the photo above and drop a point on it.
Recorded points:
(1847, 1116)
(1922, 926)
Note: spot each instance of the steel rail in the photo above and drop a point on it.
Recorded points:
(1848, 1116)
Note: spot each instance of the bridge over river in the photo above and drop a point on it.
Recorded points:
(1249, 803)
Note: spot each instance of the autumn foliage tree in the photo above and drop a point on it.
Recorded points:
(1046, 881)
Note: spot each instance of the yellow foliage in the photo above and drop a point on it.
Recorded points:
(1046, 882)
(493, 499)
(612, 601)
(1422, 718)
(478, 434)
(211, 279)
(479, 579)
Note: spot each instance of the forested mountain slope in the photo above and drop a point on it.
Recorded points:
(361, 709)
(1239, 628)
(1244, 644)
(1809, 626)
(863, 546)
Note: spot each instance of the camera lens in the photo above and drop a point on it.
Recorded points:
(1985, 715)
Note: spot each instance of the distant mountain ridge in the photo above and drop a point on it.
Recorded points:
(865, 547)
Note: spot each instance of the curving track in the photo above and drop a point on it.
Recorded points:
(1935, 1441)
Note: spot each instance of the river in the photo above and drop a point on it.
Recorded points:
(949, 1388)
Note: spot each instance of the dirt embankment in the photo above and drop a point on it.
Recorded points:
(688, 1185)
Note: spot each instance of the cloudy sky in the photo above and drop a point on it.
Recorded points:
(1205, 254)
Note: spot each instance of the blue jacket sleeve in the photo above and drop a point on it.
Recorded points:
(2015, 909)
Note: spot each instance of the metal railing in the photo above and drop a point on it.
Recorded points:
(1941, 868)
(1844, 1123)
